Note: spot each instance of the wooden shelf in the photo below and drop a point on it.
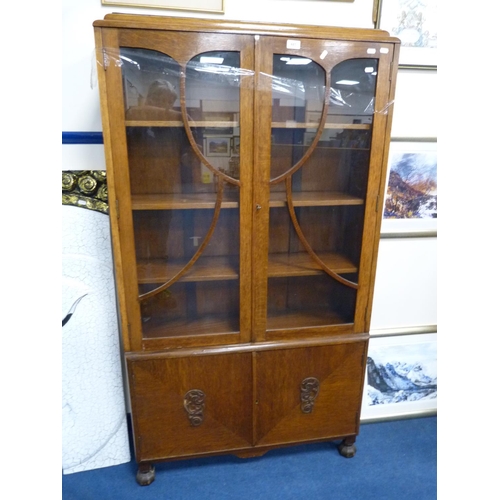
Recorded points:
(205, 269)
(320, 146)
(163, 327)
(300, 319)
(314, 199)
(301, 264)
(182, 201)
(231, 200)
(328, 126)
(192, 124)
(158, 271)
(226, 124)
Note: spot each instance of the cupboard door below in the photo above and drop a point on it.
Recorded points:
(184, 406)
(306, 394)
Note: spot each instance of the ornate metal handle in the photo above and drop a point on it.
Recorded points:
(194, 404)
(309, 389)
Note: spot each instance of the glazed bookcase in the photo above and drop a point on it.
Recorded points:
(246, 168)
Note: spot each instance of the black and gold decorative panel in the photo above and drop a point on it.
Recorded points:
(85, 189)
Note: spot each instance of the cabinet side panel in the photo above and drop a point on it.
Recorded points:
(374, 204)
(110, 174)
(382, 185)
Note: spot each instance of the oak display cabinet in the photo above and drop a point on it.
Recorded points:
(246, 168)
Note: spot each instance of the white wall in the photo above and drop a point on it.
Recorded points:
(415, 104)
(406, 284)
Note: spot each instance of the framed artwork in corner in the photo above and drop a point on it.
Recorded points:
(215, 6)
(217, 145)
(236, 145)
(401, 377)
(414, 22)
(410, 205)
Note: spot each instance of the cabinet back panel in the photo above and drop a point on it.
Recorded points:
(192, 309)
(310, 300)
(176, 234)
(154, 157)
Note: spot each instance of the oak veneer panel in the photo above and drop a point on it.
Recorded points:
(339, 369)
(161, 424)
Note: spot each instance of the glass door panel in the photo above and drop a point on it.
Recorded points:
(213, 90)
(183, 147)
(320, 154)
(298, 94)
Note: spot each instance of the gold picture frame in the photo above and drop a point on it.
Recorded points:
(212, 6)
(217, 145)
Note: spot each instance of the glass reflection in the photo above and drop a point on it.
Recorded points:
(317, 247)
(179, 233)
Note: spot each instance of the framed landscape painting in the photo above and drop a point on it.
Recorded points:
(217, 146)
(401, 377)
(410, 205)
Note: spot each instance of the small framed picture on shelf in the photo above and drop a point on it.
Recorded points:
(410, 205)
(216, 145)
(236, 145)
(415, 24)
(401, 377)
(313, 117)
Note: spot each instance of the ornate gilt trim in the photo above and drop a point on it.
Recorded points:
(309, 389)
(85, 189)
(194, 404)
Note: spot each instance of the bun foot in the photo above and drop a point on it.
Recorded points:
(145, 474)
(347, 448)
